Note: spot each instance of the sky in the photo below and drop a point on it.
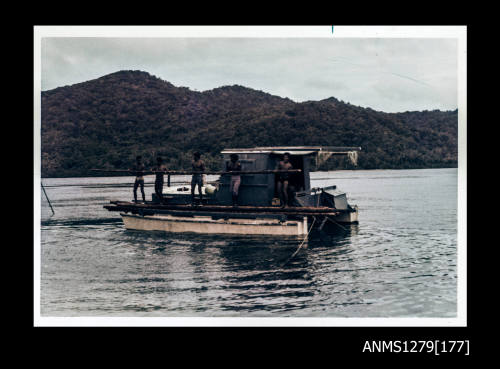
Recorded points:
(385, 74)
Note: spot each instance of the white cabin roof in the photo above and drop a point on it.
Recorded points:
(294, 150)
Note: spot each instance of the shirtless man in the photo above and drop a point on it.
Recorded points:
(159, 169)
(197, 179)
(283, 179)
(139, 179)
(234, 166)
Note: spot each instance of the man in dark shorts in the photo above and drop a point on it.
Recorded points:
(139, 179)
(234, 166)
(283, 179)
(159, 169)
(197, 179)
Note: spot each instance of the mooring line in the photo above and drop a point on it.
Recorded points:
(334, 222)
(304, 240)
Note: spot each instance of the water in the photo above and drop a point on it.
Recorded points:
(400, 261)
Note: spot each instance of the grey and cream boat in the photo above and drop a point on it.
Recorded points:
(258, 210)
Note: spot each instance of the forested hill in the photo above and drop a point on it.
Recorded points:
(106, 122)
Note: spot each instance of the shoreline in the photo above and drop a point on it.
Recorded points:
(317, 171)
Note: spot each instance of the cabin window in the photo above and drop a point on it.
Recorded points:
(246, 164)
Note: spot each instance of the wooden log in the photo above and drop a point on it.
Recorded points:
(222, 207)
(243, 209)
(192, 213)
(215, 214)
(186, 172)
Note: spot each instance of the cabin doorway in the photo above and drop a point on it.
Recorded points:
(296, 182)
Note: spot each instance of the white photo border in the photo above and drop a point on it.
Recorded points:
(331, 31)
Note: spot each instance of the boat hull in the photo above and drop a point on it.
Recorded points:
(348, 217)
(205, 224)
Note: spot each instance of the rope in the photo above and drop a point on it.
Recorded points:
(334, 222)
(302, 243)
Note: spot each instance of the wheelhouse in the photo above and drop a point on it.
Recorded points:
(260, 189)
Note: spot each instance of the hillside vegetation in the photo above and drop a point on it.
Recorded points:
(106, 122)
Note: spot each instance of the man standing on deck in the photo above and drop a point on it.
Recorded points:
(159, 169)
(234, 166)
(197, 179)
(283, 179)
(139, 179)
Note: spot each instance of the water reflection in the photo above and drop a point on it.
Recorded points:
(228, 273)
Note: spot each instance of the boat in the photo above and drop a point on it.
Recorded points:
(258, 210)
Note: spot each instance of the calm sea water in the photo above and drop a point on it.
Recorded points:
(399, 261)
